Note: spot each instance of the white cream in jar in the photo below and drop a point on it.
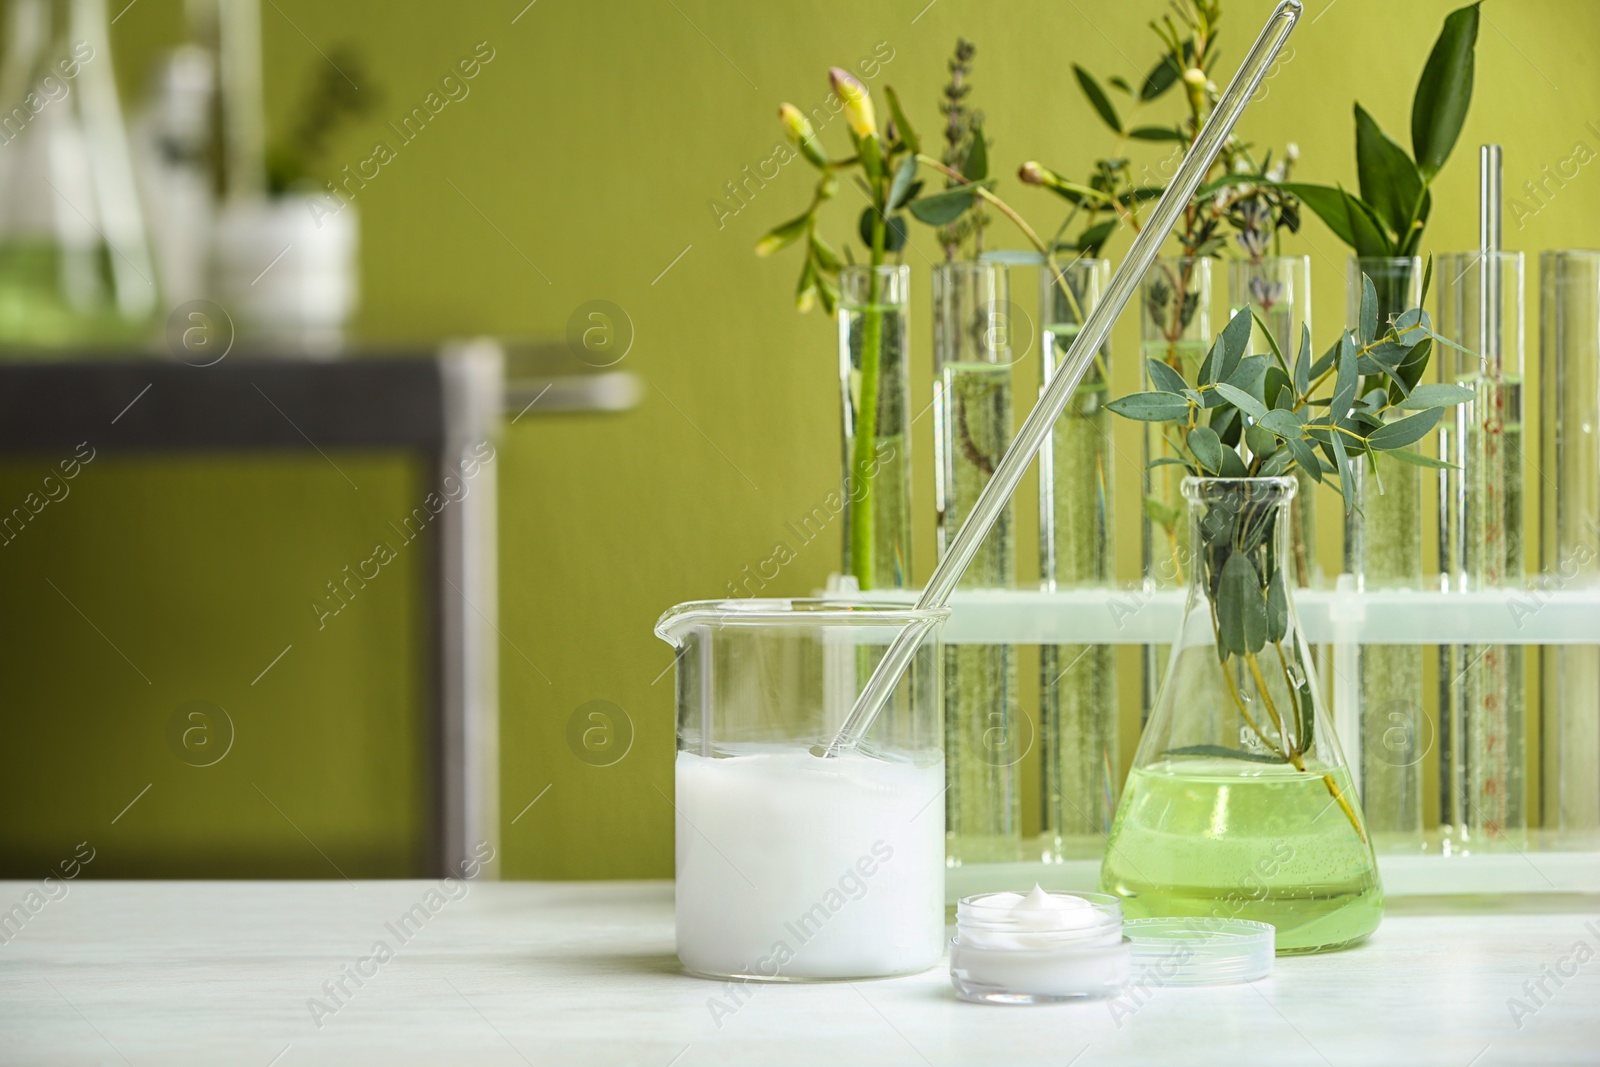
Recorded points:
(1014, 948)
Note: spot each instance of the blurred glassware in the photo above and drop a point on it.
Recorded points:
(75, 264)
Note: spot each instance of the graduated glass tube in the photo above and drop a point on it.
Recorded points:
(1383, 550)
(973, 425)
(1278, 290)
(1077, 683)
(1569, 551)
(1174, 328)
(1483, 706)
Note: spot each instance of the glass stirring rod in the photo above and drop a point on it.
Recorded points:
(1096, 327)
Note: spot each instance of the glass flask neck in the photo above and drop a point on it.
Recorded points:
(971, 313)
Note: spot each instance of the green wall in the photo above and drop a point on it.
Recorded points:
(591, 149)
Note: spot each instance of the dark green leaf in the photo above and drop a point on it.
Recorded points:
(1277, 463)
(1150, 407)
(1370, 240)
(1389, 180)
(1444, 92)
(1436, 395)
(937, 209)
(1329, 204)
(1242, 400)
(1232, 465)
(900, 188)
(1427, 280)
(895, 233)
(1409, 372)
(1097, 98)
(1090, 240)
(1413, 428)
(1160, 79)
(908, 136)
(976, 166)
(1225, 420)
(1158, 133)
(1223, 752)
(1165, 378)
(1117, 81)
(1207, 448)
(1341, 464)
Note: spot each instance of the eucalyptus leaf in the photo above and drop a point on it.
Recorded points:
(1232, 465)
(1242, 400)
(1302, 362)
(1165, 378)
(1231, 344)
(938, 209)
(1150, 407)
(1250, 375)
(1241, 609)
(899, 189)
(1347, 378)
(1436, 395)
(1207, 448)
(1417, 459)
(1277, 391)
(1367, 317)
(1406, 431)
(1277, 609)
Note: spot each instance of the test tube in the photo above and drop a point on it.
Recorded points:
(1482, 697)
(985, 738)
(1569, 550)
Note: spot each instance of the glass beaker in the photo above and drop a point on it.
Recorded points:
(792, 866)
(75, 264)
(1239, 804)
(972, 359)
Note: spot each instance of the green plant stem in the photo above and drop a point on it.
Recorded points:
(866, 427)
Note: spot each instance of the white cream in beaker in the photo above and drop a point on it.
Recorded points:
(791, 866)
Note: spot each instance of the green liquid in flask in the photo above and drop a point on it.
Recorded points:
(1225, 838)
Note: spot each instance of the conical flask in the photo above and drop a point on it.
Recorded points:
(75, 265)
(1239, 803)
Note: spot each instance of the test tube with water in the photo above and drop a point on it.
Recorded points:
(1569, 552)
(985, 739)
(1077, 683)
(1482, 698)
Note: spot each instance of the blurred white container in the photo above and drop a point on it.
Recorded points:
(287, 272)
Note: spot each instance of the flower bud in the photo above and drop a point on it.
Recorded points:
(1194, 76)
(798, 127)
(857, 104)
(1030, 173)
(1291, 152)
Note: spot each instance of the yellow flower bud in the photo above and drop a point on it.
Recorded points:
(857, 104)
(798, 127)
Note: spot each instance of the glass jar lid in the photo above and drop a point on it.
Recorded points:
(1196, 950)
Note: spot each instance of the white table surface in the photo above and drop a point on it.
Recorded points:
(584, 973)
